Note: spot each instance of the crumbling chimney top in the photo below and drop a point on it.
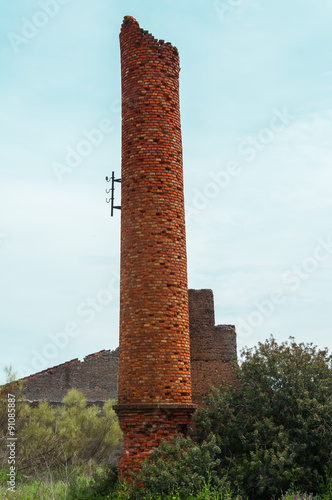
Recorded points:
(129, 20)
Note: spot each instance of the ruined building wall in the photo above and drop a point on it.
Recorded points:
(96, 376)
(212, 350)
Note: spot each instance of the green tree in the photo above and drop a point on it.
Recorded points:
(275, 430)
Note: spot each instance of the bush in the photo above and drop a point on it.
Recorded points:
(276, 430)
(179, 465)
(58, 436)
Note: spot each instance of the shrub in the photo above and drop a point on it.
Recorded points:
(56, 436)
(276, 430)
(179, 465)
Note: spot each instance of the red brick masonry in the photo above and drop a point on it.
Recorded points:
(145, 425)
(212, 347)
(154, 355)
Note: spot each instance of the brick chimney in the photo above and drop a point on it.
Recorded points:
(154, 391)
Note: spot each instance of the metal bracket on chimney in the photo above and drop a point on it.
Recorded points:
(111, 190)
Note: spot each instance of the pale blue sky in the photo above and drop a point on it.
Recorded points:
(256, 109)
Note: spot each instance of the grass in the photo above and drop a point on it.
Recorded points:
(75, 484)
(41, 488)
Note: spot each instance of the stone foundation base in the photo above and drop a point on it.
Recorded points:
(144, 426)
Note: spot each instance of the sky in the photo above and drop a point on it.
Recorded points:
(256, 111)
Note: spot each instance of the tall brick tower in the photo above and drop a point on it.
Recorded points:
(154, 360)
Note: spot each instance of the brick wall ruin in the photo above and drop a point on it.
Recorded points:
(96, 376)
(212, 350)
